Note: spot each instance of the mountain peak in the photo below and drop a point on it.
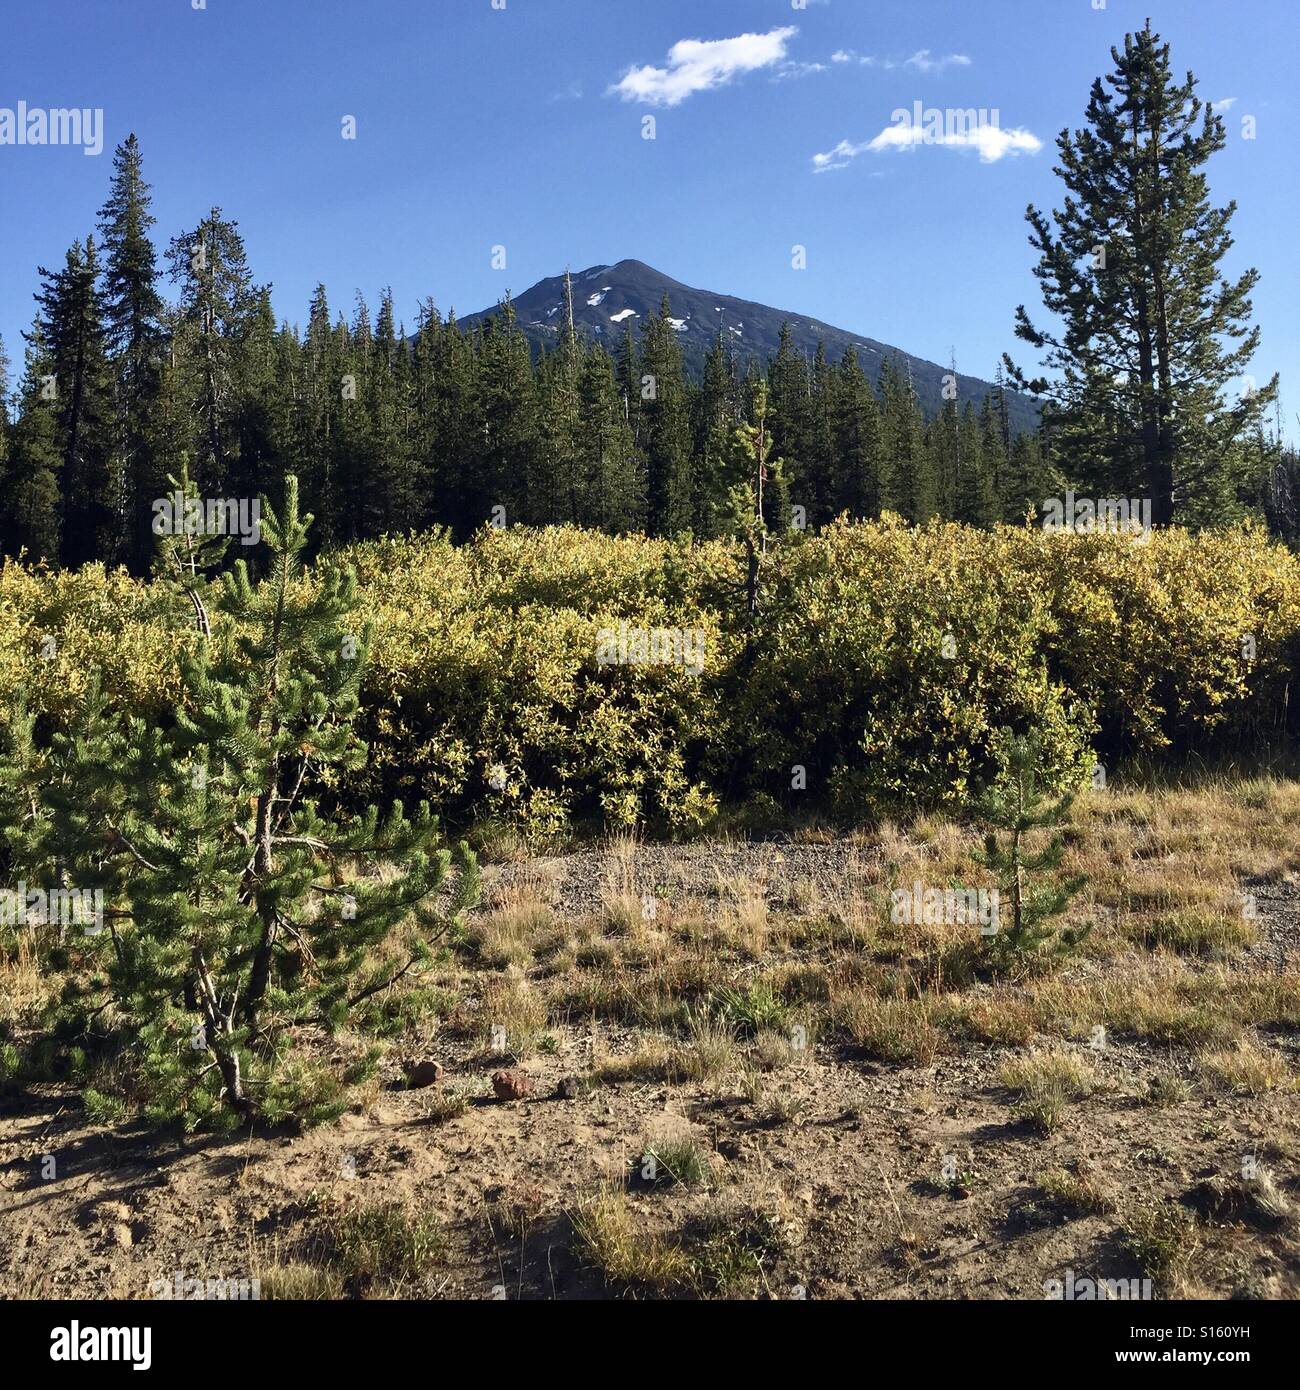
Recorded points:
(608, 299)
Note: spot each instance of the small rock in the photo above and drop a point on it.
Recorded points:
(512, 1085)
(570, 1088)
(122, 1234)
(424, 1073)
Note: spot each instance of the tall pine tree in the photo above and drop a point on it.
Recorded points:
(32, 506)
(665, 427)
(133, 332)
(72, 332)
(858, 440)
(1152, 334)
(908, 482)
(219, 304)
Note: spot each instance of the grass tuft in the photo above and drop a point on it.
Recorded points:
(1045, 1082)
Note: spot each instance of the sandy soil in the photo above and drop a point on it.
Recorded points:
(852, 1169)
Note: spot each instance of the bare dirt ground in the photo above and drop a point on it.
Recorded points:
(859, 1140)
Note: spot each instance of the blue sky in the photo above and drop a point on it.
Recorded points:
(522, 126)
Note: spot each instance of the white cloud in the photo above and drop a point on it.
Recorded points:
(923, 62)
(573, 92)
(837, 158)
(697, 65)
(850, 55)
(990, 141)
(1226, 104)
(792, 69)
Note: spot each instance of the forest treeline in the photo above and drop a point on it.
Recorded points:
(391, 431)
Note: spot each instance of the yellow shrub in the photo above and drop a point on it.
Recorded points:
(884, 660)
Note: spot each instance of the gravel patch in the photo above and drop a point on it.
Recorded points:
(581, 883)
(1277, 903)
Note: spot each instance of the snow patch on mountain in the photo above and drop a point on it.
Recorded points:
(621, 315)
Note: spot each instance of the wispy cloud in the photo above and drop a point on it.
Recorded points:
(698, 65)
(923, 62)
(839, 157)
(573, 92)
(866, 60)
(920, 61)
(990, 141)
(792, 69)
(1226, 104)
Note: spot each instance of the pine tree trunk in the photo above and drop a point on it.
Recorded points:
(1017, 890)
(260, 976)
(218, 1030)
(751, 576)
(1157, 463)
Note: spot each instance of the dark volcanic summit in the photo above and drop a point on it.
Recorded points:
(607, 298)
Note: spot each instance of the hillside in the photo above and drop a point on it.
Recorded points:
(609, 298)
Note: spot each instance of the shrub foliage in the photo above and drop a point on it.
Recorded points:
(884, 662)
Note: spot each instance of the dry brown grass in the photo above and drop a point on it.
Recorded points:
(514, 931)
(744, 921)
(300, 1282)
(1076, 1191)
(622, 907)
(1156, 999)
(1163, 1239)
(1004, 1019)
(512, 1004)
(1046, 1081)
(1255, 1201)
(1247, 1069)
(1165, 867)
(891, 1029)
(708, 1052)
(25, 988)
(1192, 931)
(625, 1254)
